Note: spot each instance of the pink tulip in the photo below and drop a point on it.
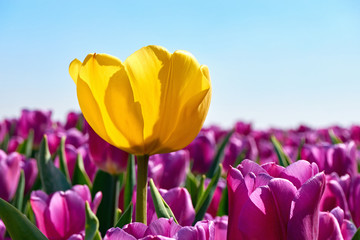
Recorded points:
(9, 174)
(62, 214)
(263, 207)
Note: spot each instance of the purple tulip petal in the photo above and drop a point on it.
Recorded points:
(118, 233)
(299, 172)
(304, 217)
(329, 228)
(135, 229)
(164, 227)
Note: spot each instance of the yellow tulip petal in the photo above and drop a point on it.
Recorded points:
(147, 69)
(74, 69)
(186, 80)
(96, 71)
(124, 111)
(91, 110)
(188, 124)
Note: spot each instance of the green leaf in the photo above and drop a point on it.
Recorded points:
(162, 209)
(240, 158)
(301, 145)
(17, 225)
(80, 176)
(130, 180)
(91, 224)
(191, 184)
(201, 188)
(109, 186)
(62, 159)
(52, 179)
(334, 139)
(219, 155)
(203, 204)
(223, 208)
(284, 160)
(4, 144)
(26, 146)
(356, 235)
(19, 195)
(126, 217)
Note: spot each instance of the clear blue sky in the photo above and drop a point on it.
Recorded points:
(275, 63)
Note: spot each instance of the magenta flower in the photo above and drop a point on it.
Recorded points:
(233, 149)
(62, 214)
(2, 230)
(243, 128)
(353, 199)
(14, 143)
(334, 196)
(38, 121)
(202, 151)
(332, 225)
(169, 170)
(105, 156)
(178, 199)
(9, 174)
(263, 207)
(341, 158)
(30, 172)
(214, 204)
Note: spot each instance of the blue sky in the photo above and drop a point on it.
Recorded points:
(275, 63)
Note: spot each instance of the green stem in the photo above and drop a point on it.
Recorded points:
(141, 188)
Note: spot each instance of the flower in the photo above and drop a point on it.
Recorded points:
(9, 174)
(62, 214)
(153, 102)
(265, 207)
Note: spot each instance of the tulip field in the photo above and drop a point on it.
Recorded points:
(137, 163)
(299, 183)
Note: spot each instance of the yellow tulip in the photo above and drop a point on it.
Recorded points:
(153, 102)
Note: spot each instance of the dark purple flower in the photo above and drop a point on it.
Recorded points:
(105, 156)
(243, 128)
(38, 121)
(30, 172)
(202, 150)
(169, 170)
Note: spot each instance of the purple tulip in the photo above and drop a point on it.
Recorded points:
(169, 170)
(263, 207)
(233, 149)
(62, 214)
(220, 224)
(341, 158)
(72, 119)
(218, 132)
(161, 228)
(178, 199)
(202, 150)
(38, 121)
(243, 128)
(9, 174)
(332, 225)
(353, 199)
(334, 196)
(71, 154)
(105, 156)
(30, 172)
(2, 230)
(14, 143)
(201, 230)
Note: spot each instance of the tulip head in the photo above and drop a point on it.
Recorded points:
(62, 214)
(9, 174)
(153, 102)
